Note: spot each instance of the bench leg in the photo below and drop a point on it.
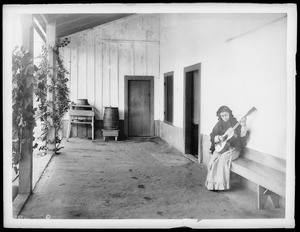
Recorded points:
(261, 197)
(263, 194)
(275, 199)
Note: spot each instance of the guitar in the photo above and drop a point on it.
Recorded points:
(219, 146)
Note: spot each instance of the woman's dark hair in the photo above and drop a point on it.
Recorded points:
(224, 109)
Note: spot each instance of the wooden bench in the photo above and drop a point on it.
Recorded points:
(268, 172)
(81, 116)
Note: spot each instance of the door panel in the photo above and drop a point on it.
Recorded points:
(138, 108)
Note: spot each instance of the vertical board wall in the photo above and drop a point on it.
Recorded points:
(99, 58)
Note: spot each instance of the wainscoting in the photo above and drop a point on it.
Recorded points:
(171, 134)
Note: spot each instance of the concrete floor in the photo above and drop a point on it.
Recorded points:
(133, 179)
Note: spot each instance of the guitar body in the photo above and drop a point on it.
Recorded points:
(219, 147)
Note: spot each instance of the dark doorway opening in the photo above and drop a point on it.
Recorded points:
(192, 110)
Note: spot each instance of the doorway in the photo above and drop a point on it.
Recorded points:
(192, 110)
(139, 104)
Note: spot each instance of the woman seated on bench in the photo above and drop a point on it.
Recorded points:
(218, 175)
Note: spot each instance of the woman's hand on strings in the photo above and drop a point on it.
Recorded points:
(243, 121)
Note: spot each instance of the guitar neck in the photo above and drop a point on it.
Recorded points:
(249, 112)
(236, 125)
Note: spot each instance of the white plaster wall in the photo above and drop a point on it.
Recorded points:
(243, 64)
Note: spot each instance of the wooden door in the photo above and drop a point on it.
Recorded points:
(139, 108)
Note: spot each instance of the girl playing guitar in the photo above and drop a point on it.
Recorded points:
(228, 138)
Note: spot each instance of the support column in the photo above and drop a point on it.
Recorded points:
(25, 165)
(51, 39)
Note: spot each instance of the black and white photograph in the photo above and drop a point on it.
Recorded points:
(156, 115)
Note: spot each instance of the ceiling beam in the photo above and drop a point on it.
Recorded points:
(83, 23)
(73, 19)
(39, 32)
(44, 18)
(41, 21)
(67, 24)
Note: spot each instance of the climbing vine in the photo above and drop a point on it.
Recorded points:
(58, 85)
(23, 112)
(28, 78)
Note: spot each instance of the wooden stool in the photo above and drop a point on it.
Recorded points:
(110, 133)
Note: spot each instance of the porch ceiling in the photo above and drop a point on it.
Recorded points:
(67, 24)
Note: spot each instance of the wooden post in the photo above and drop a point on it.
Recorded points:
(25, 165)
(51, 39)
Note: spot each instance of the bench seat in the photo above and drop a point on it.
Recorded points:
(270, 181)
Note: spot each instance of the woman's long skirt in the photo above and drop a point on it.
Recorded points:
(218, 175)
